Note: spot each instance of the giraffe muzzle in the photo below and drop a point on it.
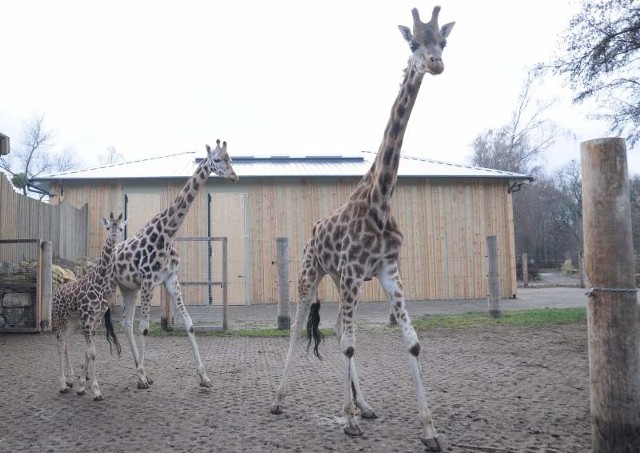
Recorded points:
(435, 66)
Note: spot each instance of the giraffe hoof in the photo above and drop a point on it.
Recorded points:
(276, 409)
(206, 383)
(432, 444)
(98, 398)
(143, 383)
(64, 390)
(368, 414)
(353, 430)
(149, 380)
(80, 393)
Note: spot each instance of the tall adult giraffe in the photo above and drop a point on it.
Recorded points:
(360, 240)
(148, 259)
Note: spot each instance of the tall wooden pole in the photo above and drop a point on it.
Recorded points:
(525, 270)
(614, 331)
(166, 317)
(225, 284)
(494, 276)
(284, 319)
(46, 284)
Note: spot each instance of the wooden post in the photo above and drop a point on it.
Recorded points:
(166, 317)
(225, 286)
(494, 276)
(45, 286)
(581, 268)
(284, 319)
(525, 270)
(614, 333)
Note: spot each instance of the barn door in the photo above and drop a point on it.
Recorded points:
(229, 219)
(140, 207)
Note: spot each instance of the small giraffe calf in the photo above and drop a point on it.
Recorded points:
(87, 300)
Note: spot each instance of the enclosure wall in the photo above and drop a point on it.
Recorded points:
(22, 217)
(445, 222)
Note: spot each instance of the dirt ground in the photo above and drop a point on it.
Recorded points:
(509, 388)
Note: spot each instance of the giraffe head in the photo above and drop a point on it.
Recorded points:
(114, 226)
(427, 42)
(219, 161)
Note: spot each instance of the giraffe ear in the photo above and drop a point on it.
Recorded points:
(446, 29)
(123, 223)
(406, 33)
(208, 148)
(105, 222)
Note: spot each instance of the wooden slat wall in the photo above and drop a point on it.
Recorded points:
(445, 222)
(22, 217)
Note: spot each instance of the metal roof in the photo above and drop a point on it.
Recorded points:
(183, 165)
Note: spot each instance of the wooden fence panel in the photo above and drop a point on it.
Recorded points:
(22, 217)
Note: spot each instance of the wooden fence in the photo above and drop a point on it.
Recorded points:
(22, 217)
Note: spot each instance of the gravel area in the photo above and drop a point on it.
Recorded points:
(521, 389)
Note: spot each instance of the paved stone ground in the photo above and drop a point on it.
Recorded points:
(509, 388)
(266, 315)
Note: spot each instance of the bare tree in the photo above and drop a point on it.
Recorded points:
(30, 160)
(548, 217)
(112, 156)
(518, 145)
(600, 57)
(35, 157)
(66, 160)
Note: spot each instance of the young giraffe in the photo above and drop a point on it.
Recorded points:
(361, 240)
(148, 259)
(88, 298)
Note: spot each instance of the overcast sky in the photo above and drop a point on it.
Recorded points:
(272, 77)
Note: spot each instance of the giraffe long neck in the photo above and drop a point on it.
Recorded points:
(178, 210)
(378, 184)
(105, 262)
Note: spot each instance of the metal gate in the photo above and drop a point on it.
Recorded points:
(199, 277)
(21, 285)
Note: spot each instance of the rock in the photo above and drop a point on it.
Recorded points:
(8, 268)
(61, 275)
(15, 300)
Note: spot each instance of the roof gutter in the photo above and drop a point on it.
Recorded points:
(516, 184)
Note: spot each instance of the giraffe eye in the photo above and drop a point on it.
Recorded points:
(217, 161)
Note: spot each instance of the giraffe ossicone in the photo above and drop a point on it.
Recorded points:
(361, 240)
(148, 259)
(87, 300)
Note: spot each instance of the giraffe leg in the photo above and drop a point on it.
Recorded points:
(83, 378)
(146, 292)
(307, 290)
(350, 289)
(69, 366)
(65, 364)
(392, 284)
(175, 293)
(129, 303)
(366, 411)
(90, 362)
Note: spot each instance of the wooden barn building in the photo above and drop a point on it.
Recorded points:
(445, 211)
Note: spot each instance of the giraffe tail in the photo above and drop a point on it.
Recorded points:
(313, 328)
(111, 333)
